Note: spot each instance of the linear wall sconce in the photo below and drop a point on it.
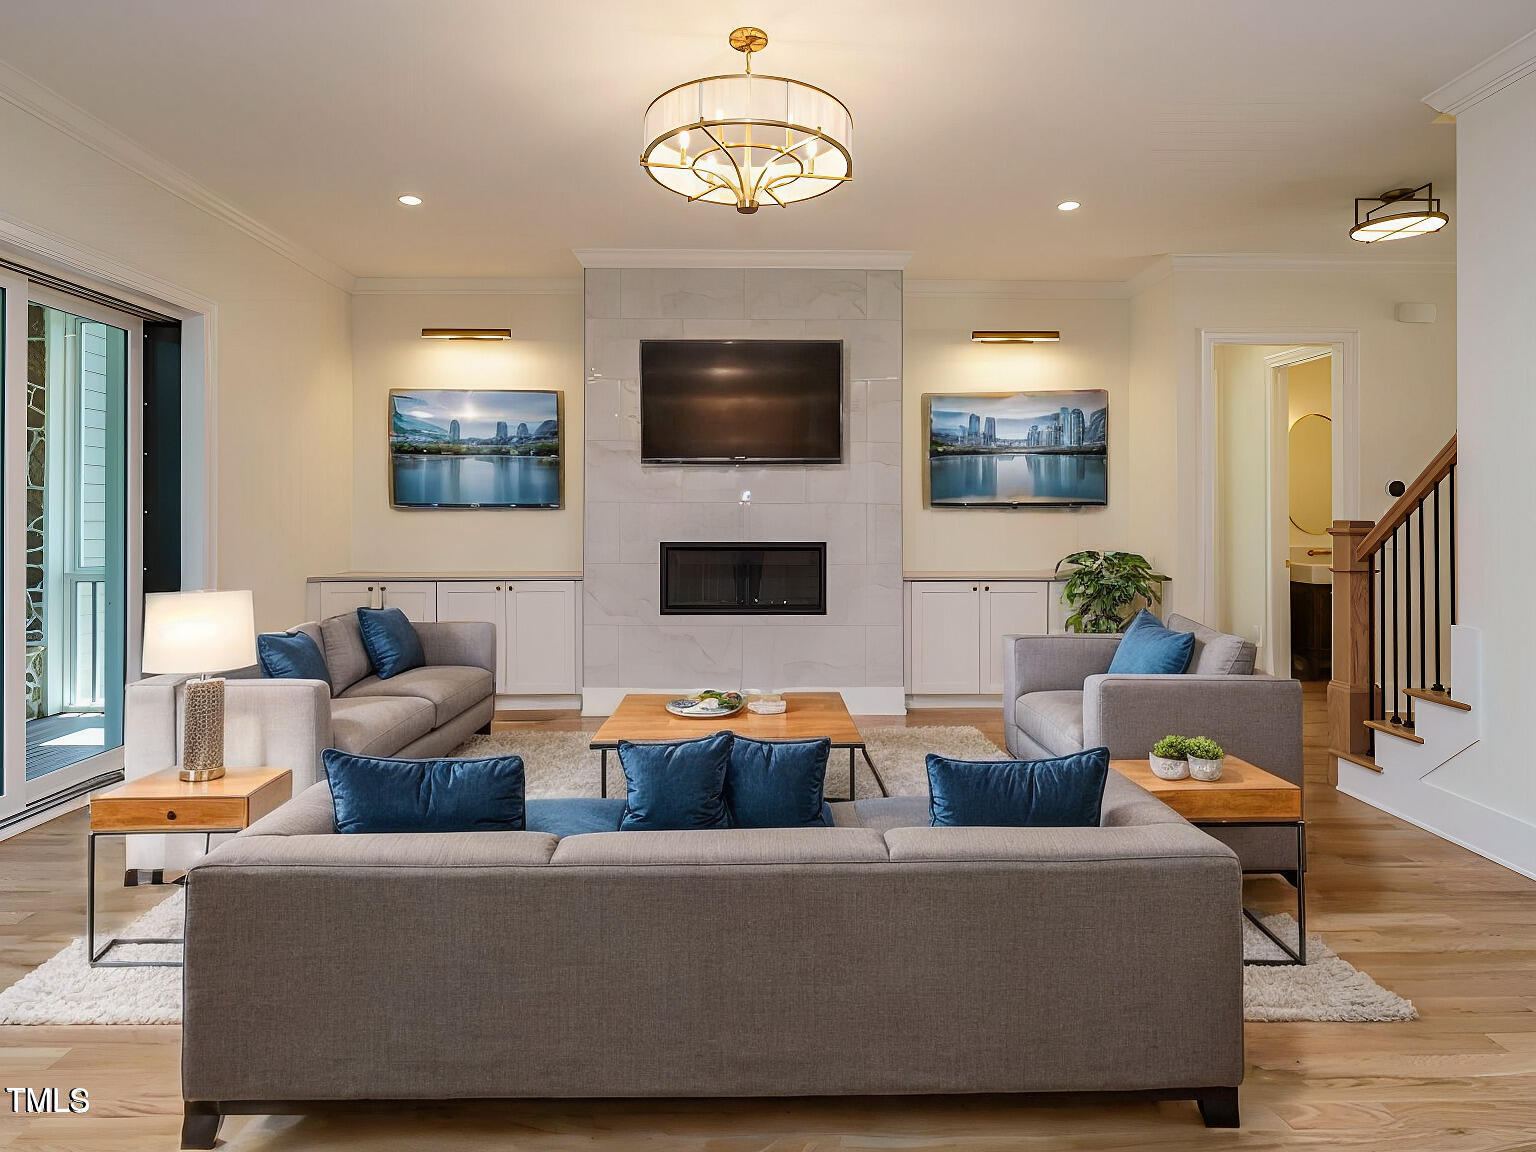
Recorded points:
(1015, 337)
(466, 333)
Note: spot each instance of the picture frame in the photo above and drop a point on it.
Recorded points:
(463, 448)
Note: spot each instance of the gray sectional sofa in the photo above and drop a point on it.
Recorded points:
(1058, 697)
(880, 956)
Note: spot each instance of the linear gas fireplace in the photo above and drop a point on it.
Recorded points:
(744, 579)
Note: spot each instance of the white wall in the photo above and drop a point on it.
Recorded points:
(283, 444)
(1496, 475)
(1242, 490)
(388, 352)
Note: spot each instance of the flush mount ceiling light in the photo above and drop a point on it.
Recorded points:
(746, 140)
(1015, 337)
(1399, 213)
(1068, 206)
(466, 333)
(408, 200)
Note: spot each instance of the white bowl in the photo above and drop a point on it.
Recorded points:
(1207, 770)
(1166, 769)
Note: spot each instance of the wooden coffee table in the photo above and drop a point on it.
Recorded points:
(643, 718)
(1246, 796)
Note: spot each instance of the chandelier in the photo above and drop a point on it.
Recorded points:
(1399, 213)
(748, 140)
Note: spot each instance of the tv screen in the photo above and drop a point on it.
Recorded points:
(735, 401)
(1011, 449)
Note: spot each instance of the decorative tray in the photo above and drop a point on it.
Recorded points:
(707, 705)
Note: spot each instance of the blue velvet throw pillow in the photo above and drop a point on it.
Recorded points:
(1149, 649)
(574, 815)
(1064, 792)
(374, 794)
(776, 783)
(391, 640)
(291, 656)
(676, 786)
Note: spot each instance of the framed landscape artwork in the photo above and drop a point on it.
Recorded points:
(459, 448)
(1017, 449)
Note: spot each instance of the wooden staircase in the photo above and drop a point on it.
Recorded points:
(1394, 616)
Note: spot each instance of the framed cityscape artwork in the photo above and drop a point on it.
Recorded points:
(1016, 449)
(461, 448)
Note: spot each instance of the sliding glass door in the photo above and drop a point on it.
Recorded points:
(71, 396)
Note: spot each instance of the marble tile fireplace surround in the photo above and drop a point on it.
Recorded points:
(854, 507)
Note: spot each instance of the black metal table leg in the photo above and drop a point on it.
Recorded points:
(850, 774)
(879, 779)
(97, 958)
(603, 786)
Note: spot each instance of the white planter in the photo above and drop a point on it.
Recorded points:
(1206, 770)
(1166, 769)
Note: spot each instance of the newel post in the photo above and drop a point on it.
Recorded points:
(1349, 692)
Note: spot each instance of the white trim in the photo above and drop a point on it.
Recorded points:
(467, 286)
(1485, 78)
(36, 820)
(859, 701)
(13, 521)
(921, 700)
(1020, 289)
(740, 258)
(1154, 273)
(565, 701)
(1268, 262)
(75, 122)
(1346, 433)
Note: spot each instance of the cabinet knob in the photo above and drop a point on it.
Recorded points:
(498, 587)
(973, 587)
(988, 588)
(383, 588)
(370, 587)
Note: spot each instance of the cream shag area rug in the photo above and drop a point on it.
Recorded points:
(65, 990)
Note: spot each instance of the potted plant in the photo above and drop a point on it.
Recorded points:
(1168, 758)
(1205, 758)
(1105, 588)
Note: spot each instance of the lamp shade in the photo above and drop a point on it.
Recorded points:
(198, 632)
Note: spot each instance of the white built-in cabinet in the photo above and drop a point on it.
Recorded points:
(957, 629)
(538, 633)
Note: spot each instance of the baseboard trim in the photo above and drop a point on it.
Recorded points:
(59, 805)
(889, 701)
(538, 703)
(925, 700)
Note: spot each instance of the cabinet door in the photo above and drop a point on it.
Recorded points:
(1008, 608)
(478, 600)
(416, 598)
(541, 637)
(945, 627)
(339, 597)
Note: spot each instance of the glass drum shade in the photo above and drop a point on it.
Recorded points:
(748, 140)
(1398, 226)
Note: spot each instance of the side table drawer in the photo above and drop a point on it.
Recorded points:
(192, 813)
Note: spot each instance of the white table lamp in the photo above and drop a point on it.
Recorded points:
(197, 634)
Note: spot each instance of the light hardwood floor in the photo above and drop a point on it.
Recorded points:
(1452, 932)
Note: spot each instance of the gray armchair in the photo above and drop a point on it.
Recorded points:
(1059, 697)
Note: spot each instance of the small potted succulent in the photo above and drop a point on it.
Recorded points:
(1205, 758)
(1168, 758)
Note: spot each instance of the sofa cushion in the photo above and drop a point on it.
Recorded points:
(391, 641)
(1053, 720)
(1065, 792)
(345, 656)
(379, 725)
(374, 794)
(675, 786)
(291, 656)
(1149, 649)
(451, 690)
(1216, 653)
(574, 815)
(776, 783)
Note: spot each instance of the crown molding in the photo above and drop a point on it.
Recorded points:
(75, 122)
(466, 286)
(845, 258)
(1158, 270)
(1482, 80)
(1261, 262)
(1020, 289)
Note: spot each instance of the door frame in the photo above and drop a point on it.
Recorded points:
(1345, 348)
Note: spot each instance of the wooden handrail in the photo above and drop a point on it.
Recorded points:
(1437, 470)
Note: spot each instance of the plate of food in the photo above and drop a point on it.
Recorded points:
(706, 705)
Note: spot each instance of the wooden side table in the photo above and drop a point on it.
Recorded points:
(1246, 796)
(163, 803)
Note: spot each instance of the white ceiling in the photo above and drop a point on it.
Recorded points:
(1182, 125)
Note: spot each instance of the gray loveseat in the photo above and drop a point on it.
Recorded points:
(876, 957)
(1059, 697)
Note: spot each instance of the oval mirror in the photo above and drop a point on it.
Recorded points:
(1311, 468)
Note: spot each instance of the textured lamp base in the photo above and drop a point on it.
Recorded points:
(202, 748)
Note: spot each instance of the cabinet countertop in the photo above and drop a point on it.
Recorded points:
(999, 576)
(436, 576)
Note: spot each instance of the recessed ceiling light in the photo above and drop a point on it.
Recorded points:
(409, 201)
(1068, 206)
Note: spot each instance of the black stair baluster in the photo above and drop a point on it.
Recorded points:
(1454, 549)
(1397, 599)
(1423, 625)
(1407, 679)
(1381, 665)
(1439, 578)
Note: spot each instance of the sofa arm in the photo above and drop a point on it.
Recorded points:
(1055, 663)
(1257, 718)
(462, 643)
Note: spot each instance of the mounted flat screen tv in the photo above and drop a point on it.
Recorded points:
(1017, 449)
(741, 401)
